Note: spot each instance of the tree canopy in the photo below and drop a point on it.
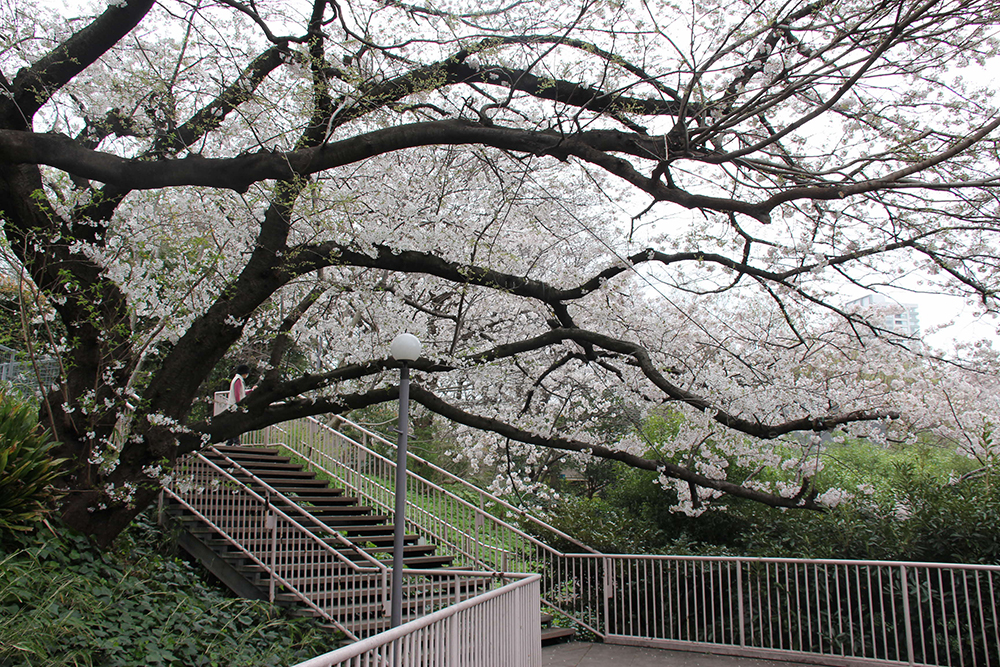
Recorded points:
(580, 208)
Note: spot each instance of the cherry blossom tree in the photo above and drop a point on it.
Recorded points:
(576, 206)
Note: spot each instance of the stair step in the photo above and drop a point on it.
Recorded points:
(322, 513)
(428, 562)
(550, 635)
(414, 555)
(246, 457)
(328, 582)
(353, 519)
(276, 466)
(245, 448)
(375, 607)
(364, 532)
(422, 549)
(280, 474)
(383, 540)
(320, 497)
(302, 487)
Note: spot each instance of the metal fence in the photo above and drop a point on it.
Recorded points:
(484, 532)
(501, 628)
(845, 611)
(28, 376)
(305, 560)
(914, 613)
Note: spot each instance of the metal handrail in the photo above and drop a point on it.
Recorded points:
(458, 480)
(507, 547)
(458, 499)
(369, 647)
(299, 510)
(223, 497)
(855, 612)
(794, 561)
(250, 553)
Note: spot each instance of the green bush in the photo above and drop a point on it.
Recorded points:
(63, 602)
(918, 503)
(26, 467)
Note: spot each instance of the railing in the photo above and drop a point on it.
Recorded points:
(848, 612)
(480, 532)
(306, 560)
(497, 629)
(857, 611)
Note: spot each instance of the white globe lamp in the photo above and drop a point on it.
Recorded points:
(405, 347)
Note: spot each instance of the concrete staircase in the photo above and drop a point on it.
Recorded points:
(368, 532)
(293, 490)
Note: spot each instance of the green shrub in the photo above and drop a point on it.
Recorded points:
(26, 467)
(918, 503)
(63, 602)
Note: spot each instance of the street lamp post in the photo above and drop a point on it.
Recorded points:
(404, 348)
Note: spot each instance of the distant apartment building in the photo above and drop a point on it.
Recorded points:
(901, 318)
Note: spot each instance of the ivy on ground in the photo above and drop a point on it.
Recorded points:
(64, 602)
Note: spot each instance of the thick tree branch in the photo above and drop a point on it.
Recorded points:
(34, 86)
(457, 415)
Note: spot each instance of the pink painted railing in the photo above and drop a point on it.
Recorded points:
(500, 628)
(305, 560)
(840, 612)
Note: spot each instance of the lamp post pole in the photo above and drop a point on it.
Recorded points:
(405, 348)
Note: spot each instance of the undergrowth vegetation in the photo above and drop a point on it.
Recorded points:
(26, 467)
(64, 602)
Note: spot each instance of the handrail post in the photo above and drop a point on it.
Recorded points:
(609, 591)
(739, 602)
(906, 613)
(271, 524)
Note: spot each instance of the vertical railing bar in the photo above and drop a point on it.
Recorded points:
(761, 594)
(993, 608)
(839, 603)
(739, 602)
(819, 612)
(798, 607)
(662, 631)
(782, 636)
(646, 596)
(885, 624)
(930, 613)
(608, 618)
(689, 594)
(850, 606)
(768, 590)
(630, 587)
(944, 617)
(829, 610)
(706, 598)
(968, 610)
(982, 613)
(271, 526)
(726, 611)
(870, 615)
(715, 583)
(958, 615)
(699, 601)
(906, 613)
